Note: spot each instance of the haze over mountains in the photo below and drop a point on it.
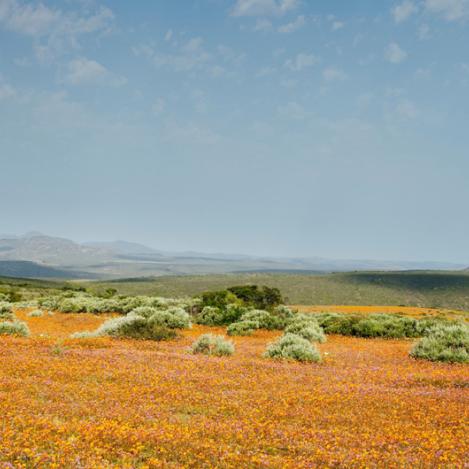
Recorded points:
(40, 256)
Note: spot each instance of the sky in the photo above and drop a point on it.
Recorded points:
(305, 128)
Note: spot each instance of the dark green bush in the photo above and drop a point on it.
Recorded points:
(375, 325)
(258, 297)
(213, 316)
(6, 311)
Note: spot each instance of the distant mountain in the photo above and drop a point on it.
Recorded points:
(44, 249)
(123, 259)
(122, 247)
(27, 269)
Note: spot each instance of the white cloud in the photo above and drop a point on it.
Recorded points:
(190, 56)
(6, 91)
(336, 25)
(83, 71)
(189, 133)
(53, 30)
(451, 10)
(168, 35)
(263, 25)
(159, 106)
(423, 32)
(292, 110)
(404, 11)
(293, 26)
(263, 7)
(407, 109)
(395, 54)
(333, 74)
(301, 61)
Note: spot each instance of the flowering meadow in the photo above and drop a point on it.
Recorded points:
(104, 403)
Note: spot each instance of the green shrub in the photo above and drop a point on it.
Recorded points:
(37, 313)
(15, 328)
(375, 325)
(144, 323)
(293, 347)
(257, 297)
(172, 318)
(135, 327)
(6, 311)
(209, 344)
(264, 319)
(242, 328)
(213, 316)
(218, 299)
(309, 330)
(444, 343)
(210, 316)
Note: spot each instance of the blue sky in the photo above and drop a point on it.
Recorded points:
(271, 127)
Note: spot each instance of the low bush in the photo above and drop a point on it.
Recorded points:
(37, 313)
(15, 328)
(265, 319)
(444, 343)
(375, 325)
(242, 328)
(6, 311)
(293, 347)
(144, 323)
(209, 344)
(308, 329)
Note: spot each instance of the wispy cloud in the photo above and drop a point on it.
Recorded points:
(263, 7)
(52, 29)
(301, 61)
(395, 54)
(293, 26)
(451, 10)
(333, 74)
(404, 11)
(83, 71)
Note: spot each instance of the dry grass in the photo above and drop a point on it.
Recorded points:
(102, 403)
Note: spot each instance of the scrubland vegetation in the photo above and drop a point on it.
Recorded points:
(156, 383)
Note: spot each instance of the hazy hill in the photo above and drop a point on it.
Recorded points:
(122, 259)
(50, 250)
(28, 269)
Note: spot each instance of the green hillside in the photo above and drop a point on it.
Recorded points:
(427, 289)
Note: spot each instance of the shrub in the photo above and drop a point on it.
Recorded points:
(135, 327)
(173, 318)
(213, 316)
(265, 319)
(309, 330)
(210, 344)
(15, 328)
(144, 323)
(218, 299)
(6, 311)
(444, 343)
(259, 298)
(293, 347)
(210, 316)
(375, 325)
(37, 313)
(242, 328)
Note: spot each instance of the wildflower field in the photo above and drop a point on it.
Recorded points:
(103, 403)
